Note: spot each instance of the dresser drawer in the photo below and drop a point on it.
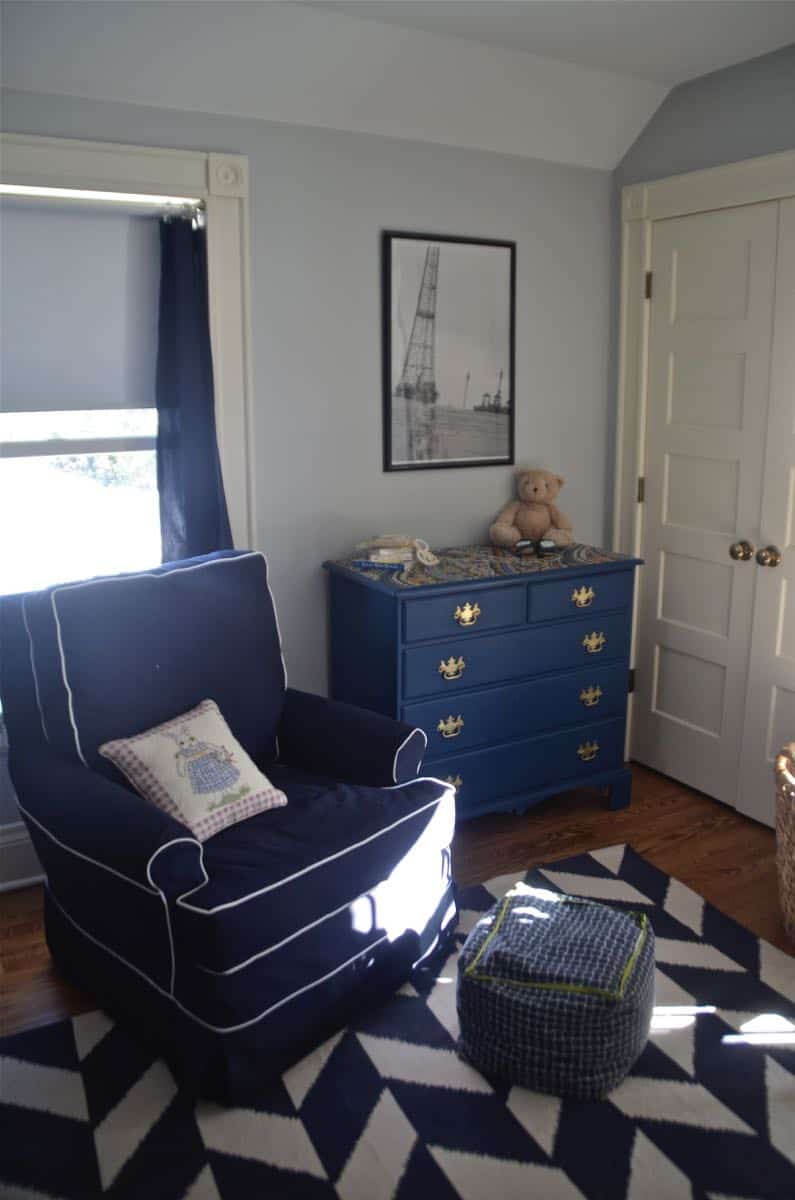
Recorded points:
(442, 616)
(450, 667)
(519, 709)
(575, 596)
(523, 767)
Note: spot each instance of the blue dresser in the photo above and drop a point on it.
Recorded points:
(516, 668)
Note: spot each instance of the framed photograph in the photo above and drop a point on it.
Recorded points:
(448, 353)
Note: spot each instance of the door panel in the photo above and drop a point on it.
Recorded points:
(708, 381)
(689, 690)
(700, 493)
(707, 391)
(695, 593)
(770, 712)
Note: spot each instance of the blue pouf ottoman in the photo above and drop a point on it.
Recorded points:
(556, 993)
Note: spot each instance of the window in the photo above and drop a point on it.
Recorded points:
(78, 348)
(78, 495)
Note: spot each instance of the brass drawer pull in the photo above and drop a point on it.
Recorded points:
(594, 643)
(451, 727)
(453, 668)
(467, 615)
(588, 751)
(583, 596)
(456, 781)
(591, 696)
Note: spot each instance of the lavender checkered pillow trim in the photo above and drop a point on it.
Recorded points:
(124, 753)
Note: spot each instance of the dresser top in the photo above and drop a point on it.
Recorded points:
(481, 564)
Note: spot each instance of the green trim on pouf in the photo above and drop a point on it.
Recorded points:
(563, 999)
(577, 988)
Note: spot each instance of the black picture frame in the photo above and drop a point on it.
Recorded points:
(419, 432)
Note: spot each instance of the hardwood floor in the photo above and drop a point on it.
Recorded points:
(723, 856)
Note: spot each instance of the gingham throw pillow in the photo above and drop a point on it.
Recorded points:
(195, 769)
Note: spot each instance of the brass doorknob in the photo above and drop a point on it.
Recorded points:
(769, 557)
(741, 551)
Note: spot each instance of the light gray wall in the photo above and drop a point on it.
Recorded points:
(740, 112)
(319, 202)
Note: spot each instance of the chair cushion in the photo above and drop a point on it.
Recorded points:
(115, 656)
(299, 897)
(196, 771)
(282, 871)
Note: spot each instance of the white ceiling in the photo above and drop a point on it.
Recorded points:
(301, 65)
(663, 40)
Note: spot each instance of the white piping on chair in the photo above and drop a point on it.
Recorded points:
(394, 787)
(404, 743)
(278, 945)
(207, 912)
(161, 893)
(69, 698)
(247, 962)
(173, 972)
(200, 1020)
(33, 669)
(86, 857)
(278, 635)
(154, 890)
(70, 587)
(291, 937)
(286, 940)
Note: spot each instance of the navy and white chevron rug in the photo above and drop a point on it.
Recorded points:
(387, 1109)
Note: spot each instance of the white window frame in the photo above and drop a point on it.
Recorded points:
(221, 181)
(48, 447)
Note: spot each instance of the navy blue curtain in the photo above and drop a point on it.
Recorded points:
(193, 514)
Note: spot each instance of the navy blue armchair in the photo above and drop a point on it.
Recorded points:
(233, 957)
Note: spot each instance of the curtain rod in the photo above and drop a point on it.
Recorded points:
(186, 205)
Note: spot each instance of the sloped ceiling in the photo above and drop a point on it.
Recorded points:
(315, 66)
(652, 39)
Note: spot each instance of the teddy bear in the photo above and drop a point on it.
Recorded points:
(534, 515)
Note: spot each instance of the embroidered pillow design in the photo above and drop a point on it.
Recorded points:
(195, 769)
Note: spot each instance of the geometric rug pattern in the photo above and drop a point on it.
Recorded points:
(387, 1109)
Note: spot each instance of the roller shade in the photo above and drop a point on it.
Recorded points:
(78, 317)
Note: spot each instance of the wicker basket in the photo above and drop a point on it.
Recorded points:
(785, 835)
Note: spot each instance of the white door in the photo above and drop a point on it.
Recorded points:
(770, 709)
(708, 385)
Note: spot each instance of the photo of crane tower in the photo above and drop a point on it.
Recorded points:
(448, 351)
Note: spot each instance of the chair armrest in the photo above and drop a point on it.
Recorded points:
(327, 737)
(74, 813)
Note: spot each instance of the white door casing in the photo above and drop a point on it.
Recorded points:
(770, 706)
(708, 382)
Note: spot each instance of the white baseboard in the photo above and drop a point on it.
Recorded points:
(19, 865)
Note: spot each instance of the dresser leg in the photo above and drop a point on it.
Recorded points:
(620, 792)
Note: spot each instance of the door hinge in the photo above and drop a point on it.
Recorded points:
(631, 687)
(647, 291)
(641, 489)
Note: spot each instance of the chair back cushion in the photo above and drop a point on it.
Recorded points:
(114, 656)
